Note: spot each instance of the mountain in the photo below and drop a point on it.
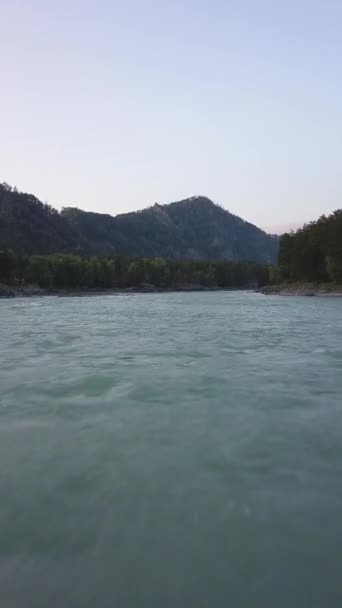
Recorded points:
(193, 228)
(28, 226)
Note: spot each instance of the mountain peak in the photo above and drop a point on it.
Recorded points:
(195, 200)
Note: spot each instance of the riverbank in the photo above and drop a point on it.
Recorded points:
(15, 291)
(303, 289)
(293, 289)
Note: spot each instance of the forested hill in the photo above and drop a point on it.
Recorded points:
(194, 228)
(313, 253)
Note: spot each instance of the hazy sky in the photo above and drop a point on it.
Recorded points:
(112, 106)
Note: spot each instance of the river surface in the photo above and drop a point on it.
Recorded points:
(171, 450)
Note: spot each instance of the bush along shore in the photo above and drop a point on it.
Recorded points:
(66, 274)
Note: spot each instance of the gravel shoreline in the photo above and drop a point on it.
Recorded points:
(303, 290)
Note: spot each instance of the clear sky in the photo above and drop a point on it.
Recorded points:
(112, 106)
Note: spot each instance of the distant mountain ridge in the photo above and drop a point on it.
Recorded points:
(194, 228)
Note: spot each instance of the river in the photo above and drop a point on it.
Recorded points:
(171, 450)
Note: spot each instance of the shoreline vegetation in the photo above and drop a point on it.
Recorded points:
(310, 260)
(66, 274)
(312, 255)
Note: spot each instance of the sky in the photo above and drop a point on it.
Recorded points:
(112, 106)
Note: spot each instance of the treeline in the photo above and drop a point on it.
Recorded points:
(65, 271)
(313, 253)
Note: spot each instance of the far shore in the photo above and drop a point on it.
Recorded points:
(22, 291)
(303, 289)
(298, 290)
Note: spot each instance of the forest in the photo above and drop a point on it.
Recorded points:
(313, 253)
(66, 271)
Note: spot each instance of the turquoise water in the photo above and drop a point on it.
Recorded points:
(171, 450)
